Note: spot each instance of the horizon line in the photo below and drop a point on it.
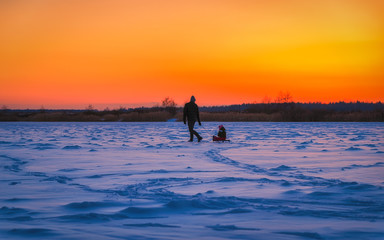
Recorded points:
(158, 105)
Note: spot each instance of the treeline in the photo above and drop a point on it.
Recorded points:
(318, 112)
(271, 112)
(123, 115)
(275, 107)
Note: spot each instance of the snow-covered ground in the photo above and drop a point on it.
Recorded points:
(145, 181)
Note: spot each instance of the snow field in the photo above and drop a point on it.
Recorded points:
(145, 181)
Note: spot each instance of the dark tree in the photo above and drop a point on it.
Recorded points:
(169, 105)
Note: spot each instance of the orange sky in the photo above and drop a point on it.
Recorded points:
(68, 54)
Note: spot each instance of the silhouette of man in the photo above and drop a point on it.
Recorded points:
(191, 113)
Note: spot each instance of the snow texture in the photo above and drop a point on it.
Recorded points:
(145, 181)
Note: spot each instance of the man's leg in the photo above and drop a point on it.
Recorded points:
(191, 131)
(197, 135)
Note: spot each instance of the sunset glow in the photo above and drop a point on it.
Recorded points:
(68, 54)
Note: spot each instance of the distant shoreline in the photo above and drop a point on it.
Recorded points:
(261, 112)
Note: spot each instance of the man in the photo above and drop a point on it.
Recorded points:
(191, 112)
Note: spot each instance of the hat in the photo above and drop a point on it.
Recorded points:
(221, 126)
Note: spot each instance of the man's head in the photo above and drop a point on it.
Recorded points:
(193, 99)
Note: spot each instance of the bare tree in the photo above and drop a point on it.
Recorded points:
(169, 104)
(284, 97)
(90, 108)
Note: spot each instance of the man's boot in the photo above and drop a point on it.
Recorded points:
(191, 138)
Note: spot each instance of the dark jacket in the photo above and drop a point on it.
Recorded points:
(191, 112)
(222, 133)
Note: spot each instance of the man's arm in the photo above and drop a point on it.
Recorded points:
(198, 115)
(185, 114)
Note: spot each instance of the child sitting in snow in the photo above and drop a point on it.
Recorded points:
(221, 135)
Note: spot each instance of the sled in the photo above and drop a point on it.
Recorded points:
(219, 139)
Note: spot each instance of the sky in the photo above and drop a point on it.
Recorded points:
(69, 54)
